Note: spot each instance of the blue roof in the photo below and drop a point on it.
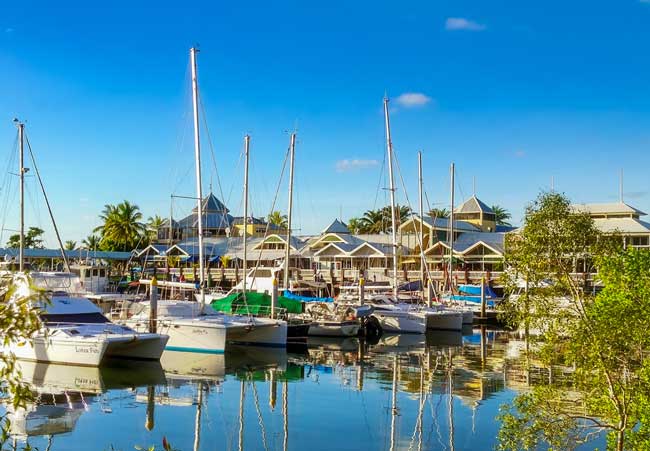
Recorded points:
(56, 253)
(336, 227)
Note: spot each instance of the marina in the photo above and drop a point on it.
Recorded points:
(441, 391)
(325, 227)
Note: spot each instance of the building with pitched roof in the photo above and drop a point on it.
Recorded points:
(475, 211)
(620, 218)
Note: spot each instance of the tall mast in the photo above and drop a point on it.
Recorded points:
(292, 153)
(389, 149)
(423, 261)
(451, 228)
(197, 160)
(247, 140)
(21, 173)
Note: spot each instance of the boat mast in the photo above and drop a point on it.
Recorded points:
(21, 173)
(389, 149)
(451, 230)
(292, 153)
(247, 140)
(197, 160)
(423, 262)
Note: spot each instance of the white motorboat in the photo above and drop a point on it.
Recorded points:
(193, 329)
(433, 318)
(75, 332)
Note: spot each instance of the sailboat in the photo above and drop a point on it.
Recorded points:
(74, 331)
(190, 325)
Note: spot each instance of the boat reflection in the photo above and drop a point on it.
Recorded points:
(408, 385)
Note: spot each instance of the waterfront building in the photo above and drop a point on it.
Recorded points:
(621, 218)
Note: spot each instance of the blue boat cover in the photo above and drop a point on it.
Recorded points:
(475, 290)
(288, 294)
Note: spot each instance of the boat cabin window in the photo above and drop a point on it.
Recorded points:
(102, 272)
(86, 273)
(80, 318)
(95, 272)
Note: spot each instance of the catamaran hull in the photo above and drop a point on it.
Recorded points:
(444, 320)
(188, 336)
(68, 352)
(262, 332)
(334, 329)
(400, 322)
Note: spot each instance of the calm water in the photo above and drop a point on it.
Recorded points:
(406, 393)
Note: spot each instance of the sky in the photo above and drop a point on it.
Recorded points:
(516, 94)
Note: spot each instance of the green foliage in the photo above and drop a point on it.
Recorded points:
(380, 221)
(70, 245)
(122, 229)
(154, 224)
(33, 239)
(355, 225)
(91, 242)
(502, 215)
(278, 219)
(601, 340)
(439, 213)
(19, 323)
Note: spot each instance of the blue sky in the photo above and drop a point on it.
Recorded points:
(513, 92)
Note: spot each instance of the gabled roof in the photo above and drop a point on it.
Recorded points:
(153, 249)
(607, 208)
(468, 240)
(296, 243)
(336, 227)
(211, 204)
(443, 224)
(622, 225)
(473, 205)
(211, 220)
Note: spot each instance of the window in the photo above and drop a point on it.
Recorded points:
(95, 272)
(639, 240)
(102, 273)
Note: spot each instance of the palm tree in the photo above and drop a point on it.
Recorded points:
(70, 245)
(278, 219)
(355, 225)
(502, 215)
(372, 221)
(154, 224)
(439, 213)
(122, 228)
(91, 242)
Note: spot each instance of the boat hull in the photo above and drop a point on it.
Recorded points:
(260, 332)
(82, 352)
(334, 329)
(444, 320)
(138, 346)
(395, 321)
(188, 335)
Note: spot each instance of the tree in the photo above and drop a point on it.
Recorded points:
(122, 228)
(373, 221)
(439, 213)
(91, 242)
(33, 239)
(355, 225)
(502, 215)
(19, 323)
(70, 245)
(601, 341)
(276, 218)
(154, 224)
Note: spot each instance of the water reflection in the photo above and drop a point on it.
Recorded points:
(439, 391)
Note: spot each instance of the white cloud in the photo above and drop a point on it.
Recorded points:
(412, 99)
(460, 23)
(351, 165)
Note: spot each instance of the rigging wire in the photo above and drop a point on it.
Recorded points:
(7, 186)
(207, 132)
(47, 203)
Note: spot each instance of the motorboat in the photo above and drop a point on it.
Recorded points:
(76, 332)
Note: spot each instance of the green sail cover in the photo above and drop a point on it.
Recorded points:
(255, 304)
